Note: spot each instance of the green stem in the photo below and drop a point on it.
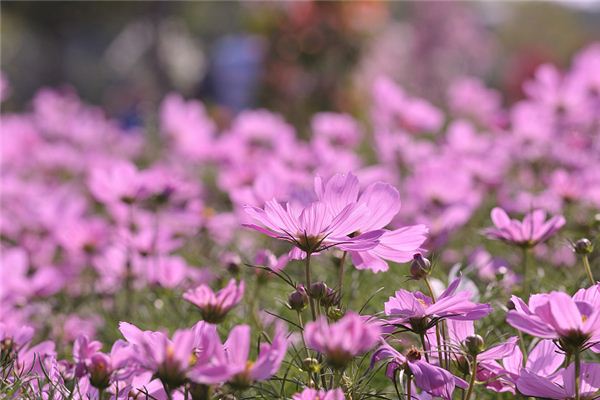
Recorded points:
(396, 374)
(526, 252)
(437, 329)
(422, 335)
(439, 343)
(472, 380)
(409, 387)
(308, 283)
(577, 375)
(588, 268)
(341, 273)
(522, 346)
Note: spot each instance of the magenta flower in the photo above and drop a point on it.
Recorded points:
(575, 324)
(502, 375)
(561, 385)
(314, 228)
(215, 306)
(533, 230)
(343, 340)
(187, 124)
(314, 394)
(237, 350)
(432, 379)
(195, 353)
(383, 203)
(418, 313)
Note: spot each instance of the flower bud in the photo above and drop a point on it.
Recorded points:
(335, 313)
(583, 246)
(510, 305)
(413, 354)
(474, 344)
(99, 370)
(311, 365)
(298, 299)
(318, 290)
(420, 267)
(330, 299)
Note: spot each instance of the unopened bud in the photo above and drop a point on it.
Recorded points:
(318, 290)
(413, 354)
(583, 247)
(298, 299)
(335, 313)
(311, 365)
(330, 299)
(474, 344)
(420, 267)
(99, 371)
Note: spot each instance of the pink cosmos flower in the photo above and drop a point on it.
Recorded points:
(119, 182)
(533, 230)
(215, 306)
(561, 385)
(191, 353)
(237, 350)
(489, 369)
(314, 394)
(502, 375)
(419, 313)
(314, 228)
(430, 378)
(574, 323)
(343, 340)
(383, 202)
(187, 125)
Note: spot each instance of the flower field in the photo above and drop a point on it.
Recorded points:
(415, 251)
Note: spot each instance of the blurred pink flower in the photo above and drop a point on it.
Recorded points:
(341, 341)
(215, 306)
(532, 230)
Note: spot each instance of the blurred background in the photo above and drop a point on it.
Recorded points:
(291, 57)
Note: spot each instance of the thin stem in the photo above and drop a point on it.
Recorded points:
(439, 343)
(437, 328)
(395, 380)
(100, 394)
(422, 335)
(522, 346)
(588, 269)
(409, 387)
(429, 289)
(472, 380)
(302, 328)
(577, 375)
(341, 273)
(526, 252)
(308, 283)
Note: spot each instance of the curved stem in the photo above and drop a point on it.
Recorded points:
(395, 380)
(588, 269)
(430, 289)
(437, 327)
(422, 335)
(472, 380)
(577, 375)
(308, 283)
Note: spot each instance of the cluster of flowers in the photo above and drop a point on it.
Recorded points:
(82, 223)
